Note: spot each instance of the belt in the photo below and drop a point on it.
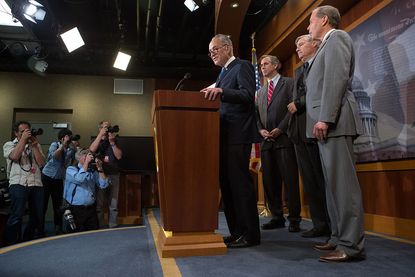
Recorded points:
(84, 207)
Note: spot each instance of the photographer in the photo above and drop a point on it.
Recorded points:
(106, 146)
(79, 190)
(24, 158)
(60, 156)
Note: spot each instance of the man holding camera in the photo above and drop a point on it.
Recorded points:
(24, 158)
(79, 191)
(60, 156)
(106, 147)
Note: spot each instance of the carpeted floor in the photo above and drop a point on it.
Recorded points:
(131, 252)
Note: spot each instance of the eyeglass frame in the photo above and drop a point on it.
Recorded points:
(215, 50)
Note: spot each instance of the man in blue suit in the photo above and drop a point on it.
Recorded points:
(236, 88)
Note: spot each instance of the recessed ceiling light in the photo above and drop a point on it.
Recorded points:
(122, 61)
(72, 39)
(234, 4)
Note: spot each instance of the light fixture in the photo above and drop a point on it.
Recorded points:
(234, 5)
(191, 5)
(72, 39)
(122, 61)
(37, 65)
(33, 11)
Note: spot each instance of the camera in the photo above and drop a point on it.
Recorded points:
(36, 132)
(69, 220)
(113, 129)
(75, 137)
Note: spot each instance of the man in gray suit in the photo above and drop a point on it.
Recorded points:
(277, 151)
(306, 149)
(332, 118)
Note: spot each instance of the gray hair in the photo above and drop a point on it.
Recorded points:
(80, 153)
(225, 39)
(332, 14)
(308, 38)
(273, 60)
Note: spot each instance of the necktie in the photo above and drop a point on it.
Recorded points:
(222, 72)
(270, 91)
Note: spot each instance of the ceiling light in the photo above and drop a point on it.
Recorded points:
(7, 19)
(72, 39)
(191, 5)
(234, 5)
(37, 65)
(33, 11)
(122, 61)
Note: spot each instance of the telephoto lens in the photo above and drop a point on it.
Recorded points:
(69, 218)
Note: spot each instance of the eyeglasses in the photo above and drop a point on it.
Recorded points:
(215, 50)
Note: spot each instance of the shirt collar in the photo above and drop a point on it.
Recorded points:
(231, 59)
(327, 34)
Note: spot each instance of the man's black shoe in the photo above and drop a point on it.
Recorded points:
(314, 233)
(229, 239)
(294, 227)
(241, 243)
(273, 224)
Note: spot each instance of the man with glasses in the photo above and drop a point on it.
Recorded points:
(236, 88)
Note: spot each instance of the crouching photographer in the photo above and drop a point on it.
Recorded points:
(79, 192)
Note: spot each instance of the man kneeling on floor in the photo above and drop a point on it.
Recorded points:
(79, 192)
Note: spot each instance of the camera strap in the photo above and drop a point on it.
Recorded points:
(73, 193)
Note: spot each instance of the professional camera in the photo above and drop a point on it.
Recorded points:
(113, 129)
(69, 220)
(75, 137)
(36, 132)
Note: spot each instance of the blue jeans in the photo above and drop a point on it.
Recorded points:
(19, 195)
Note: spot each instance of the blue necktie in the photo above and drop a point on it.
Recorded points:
(222, 72)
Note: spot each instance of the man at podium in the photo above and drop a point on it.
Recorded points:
(236, 88)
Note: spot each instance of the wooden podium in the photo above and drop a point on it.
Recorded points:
(186, 131)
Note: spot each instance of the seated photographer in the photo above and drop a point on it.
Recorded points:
(24, 158)
(60, 156)
(79, 191)
(106, 146)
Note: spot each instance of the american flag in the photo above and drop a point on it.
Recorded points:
(255, 161)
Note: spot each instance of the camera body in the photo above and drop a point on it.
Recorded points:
(113, 129)
(75, 137)
(36, 132)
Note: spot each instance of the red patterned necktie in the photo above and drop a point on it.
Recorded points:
(270, 91)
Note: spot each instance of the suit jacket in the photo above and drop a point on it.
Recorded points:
(237, 108)
(329, 95)
(297, 124)
(276, 114)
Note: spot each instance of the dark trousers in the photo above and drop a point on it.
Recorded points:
(54, 189)
(279, 165)
(308, 159)
(238, 192)
(20, 195)
(85, 217)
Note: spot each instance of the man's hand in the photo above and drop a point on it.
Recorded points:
(211, 93)
(275, 133)
(264, 133)
(89, 157)
(26, 135)
(292, 108)
(320, 131)
(112, 137)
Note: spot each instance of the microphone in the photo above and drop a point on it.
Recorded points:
(180, 83)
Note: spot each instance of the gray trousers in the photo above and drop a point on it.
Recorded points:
(343, 195)
(109, 196)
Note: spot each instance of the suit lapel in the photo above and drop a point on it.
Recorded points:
(222, 76)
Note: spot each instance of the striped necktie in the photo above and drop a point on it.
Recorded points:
(270, 91)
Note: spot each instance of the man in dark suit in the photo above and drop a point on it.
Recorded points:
(333, 119)
(277, 151)
(306, 150)
(236, 88)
